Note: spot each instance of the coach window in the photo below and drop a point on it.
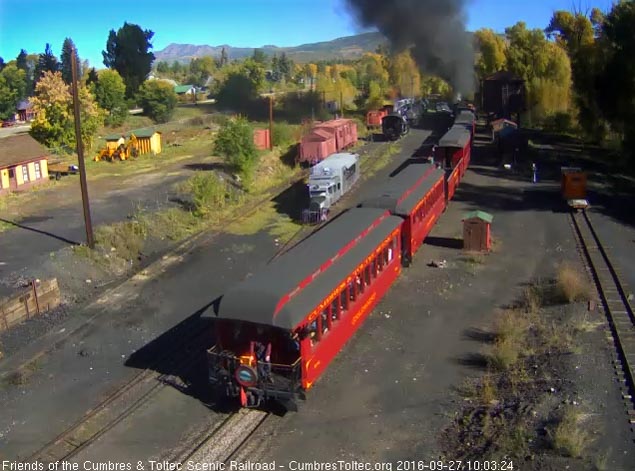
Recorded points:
(325, 321)
(351, 291)
(380, 261)
(313, 332)
(343, 302)
(359, 289)
(373, 269)
(335, 310)
(367, 275)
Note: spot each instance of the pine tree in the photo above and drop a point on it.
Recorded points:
(47, 62)
(21, 60)
(67, 49)
(224, 59)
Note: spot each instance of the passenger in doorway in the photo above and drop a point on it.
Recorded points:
(263, 355)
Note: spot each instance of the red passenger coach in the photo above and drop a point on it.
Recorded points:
(454, 148)
(279, 329)
(415, 194)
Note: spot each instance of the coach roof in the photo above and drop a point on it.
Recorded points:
(284, 292)
(457, 136)
(401, 193)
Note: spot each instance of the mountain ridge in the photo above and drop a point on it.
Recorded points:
(346, 47)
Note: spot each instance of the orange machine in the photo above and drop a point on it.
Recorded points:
(573, 184)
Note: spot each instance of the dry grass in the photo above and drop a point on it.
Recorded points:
(488, 392)
(511, 329)
(532, 299)
(21, 376)
(568, 437)
(127, 238)
(572, 284)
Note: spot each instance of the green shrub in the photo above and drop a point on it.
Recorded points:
(235, 143)
(158, 100)
(208, 193)
(285, 135)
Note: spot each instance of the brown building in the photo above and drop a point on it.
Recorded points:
(23, 163)
(503, 95)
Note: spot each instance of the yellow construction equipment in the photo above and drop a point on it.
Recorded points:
(120, 152)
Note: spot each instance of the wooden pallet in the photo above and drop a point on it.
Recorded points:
(38, 298)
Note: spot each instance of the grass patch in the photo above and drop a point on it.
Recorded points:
(510, 344)
(21, 376)
(373, 162)
(532, 299)
(5, 226)
(127, 238)
(572, 284)
(266, 218)
(173, 223)
(567, 436)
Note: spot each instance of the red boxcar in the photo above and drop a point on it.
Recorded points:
(373, 118)
(317, 145)
(304, 312)
(344, 130)
(416, 194)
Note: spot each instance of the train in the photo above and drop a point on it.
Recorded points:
(278, 330)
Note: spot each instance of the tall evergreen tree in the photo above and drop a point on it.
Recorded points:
(67, 49)
(21, 60)
(2, 64)
(47, 62)
(224, 58)
(92, 76)
(128, 52)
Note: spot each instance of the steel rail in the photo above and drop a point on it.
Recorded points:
(614, 298)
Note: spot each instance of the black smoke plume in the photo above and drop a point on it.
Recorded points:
(434, 28)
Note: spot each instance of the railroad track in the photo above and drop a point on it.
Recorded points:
(227, 440)
(613, 294)
(123, 402)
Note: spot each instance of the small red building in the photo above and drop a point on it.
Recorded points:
(262, 139)
(477, 235)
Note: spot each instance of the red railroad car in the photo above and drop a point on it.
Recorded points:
(327, 138)
(317, 145)
(454, 149)
(279, 329)
(373, 118)
(415, 194)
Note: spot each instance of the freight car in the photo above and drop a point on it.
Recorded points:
(327, 138)
(279, 329)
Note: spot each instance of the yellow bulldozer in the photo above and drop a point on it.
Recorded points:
(118, 150)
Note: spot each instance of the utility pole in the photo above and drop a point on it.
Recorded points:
(80, 153)
(271, 122)
(342, 103)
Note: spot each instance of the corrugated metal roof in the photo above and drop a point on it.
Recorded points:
(15, 150)
(487, 217)
(457, 136)
(402, 192)
(345, 243)
(465, 117)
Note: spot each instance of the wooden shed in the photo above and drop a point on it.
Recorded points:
(148, 141)
(477, 231)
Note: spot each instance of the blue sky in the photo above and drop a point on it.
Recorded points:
(30, 24)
